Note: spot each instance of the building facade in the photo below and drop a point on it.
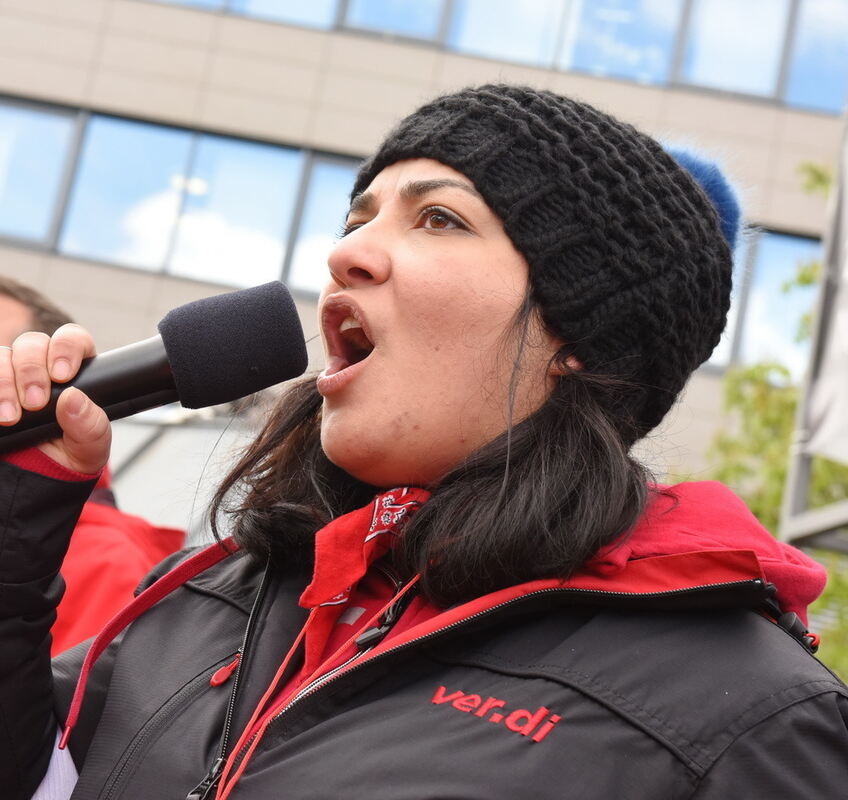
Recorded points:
(155, 152)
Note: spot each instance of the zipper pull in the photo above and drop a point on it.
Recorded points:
(205, 789)
(372, 637)
(223, 674)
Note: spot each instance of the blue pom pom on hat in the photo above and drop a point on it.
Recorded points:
(712, 180)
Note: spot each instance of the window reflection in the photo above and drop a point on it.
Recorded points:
(315, 13)
(624, 38)
(237, 211)
(215, 5)
(736, 46)
(420, 19)
(773, 316)
(126, 196)
(525, 32)
(324, 213)
(34, 147)
(818, 75)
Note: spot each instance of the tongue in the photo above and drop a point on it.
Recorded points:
(358, 343)
(357, 339)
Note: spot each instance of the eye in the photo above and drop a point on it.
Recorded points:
(440, 219)
(348, 227)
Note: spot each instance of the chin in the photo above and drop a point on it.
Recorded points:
(365, 450)
(379, 475)
(372, 466)
(350, 453)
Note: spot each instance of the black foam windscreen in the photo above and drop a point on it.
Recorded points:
(224, 347)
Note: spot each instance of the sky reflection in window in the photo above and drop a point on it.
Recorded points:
(324, 213)
(238, 206)
(126, 196)
(772, 315)
(622, 38)
(34, 147)
(736, 46)
(525, 32)
(420, 19)
(315, 13)
(818, 75)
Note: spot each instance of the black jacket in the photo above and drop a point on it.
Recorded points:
(558, 692)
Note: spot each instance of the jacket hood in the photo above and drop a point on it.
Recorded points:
(706, 516)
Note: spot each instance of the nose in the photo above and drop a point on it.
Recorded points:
(361, 258)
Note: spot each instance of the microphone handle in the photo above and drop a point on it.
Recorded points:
(113, 381)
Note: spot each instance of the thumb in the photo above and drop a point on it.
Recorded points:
(84, 447)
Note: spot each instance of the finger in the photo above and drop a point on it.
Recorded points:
(87, 433)
(10, 408)
(29, 360)
(69, 345)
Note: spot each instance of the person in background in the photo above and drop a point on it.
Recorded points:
(110, 551)
(448, 577)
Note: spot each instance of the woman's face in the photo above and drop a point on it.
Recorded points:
(418, 328)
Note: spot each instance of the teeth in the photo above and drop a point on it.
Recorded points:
(348, 323)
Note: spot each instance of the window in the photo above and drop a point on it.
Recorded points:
(237, 211)
(624, 38)
(214, 5)
(766, 313)
(324, 213)
(315, 13)
(127, 192)
(203, 206)
(421, 19)
(34, 148)
(773, 316)
(818, 73)
(736, 46)
(525, 32)
(728, 45)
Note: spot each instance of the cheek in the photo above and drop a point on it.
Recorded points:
(454, 309)
(465, 342)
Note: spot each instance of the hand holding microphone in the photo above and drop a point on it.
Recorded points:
(26, 372)
(209, 351)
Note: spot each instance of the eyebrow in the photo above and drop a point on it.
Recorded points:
(365, 202)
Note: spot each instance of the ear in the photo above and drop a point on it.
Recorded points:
(564, 365)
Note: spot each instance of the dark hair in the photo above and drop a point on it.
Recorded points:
(46, 316)
(535, 502)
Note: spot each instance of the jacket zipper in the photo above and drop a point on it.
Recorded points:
(187, 694)
(206, 788)
(334, 674)
(389, 619)
(391, 616)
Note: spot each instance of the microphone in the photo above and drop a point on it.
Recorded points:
(209, 351)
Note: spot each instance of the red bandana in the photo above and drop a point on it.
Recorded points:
(344, 549)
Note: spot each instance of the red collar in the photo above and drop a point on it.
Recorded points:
(347, 546)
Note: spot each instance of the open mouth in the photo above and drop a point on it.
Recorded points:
(356, 343)
(348, 342)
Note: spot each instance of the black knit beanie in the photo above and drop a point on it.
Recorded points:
(628, 262)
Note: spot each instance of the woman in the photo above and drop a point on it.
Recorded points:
(453, 580)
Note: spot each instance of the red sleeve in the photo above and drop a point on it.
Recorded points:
(34, 460)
